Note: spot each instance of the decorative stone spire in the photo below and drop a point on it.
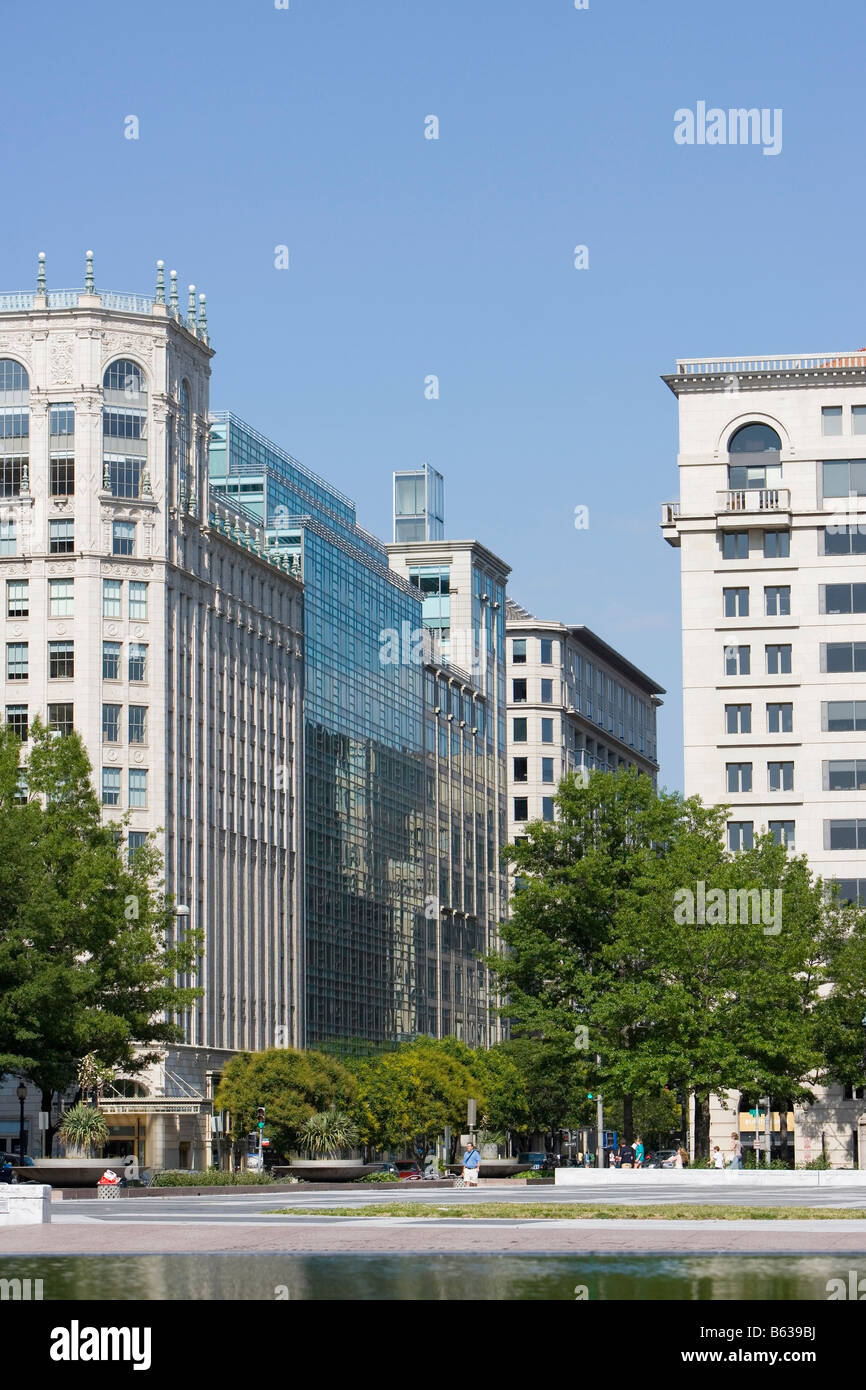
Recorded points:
(173, 292)
(160, 282)
(202, 317)
(190, 312)
(40, 274)
(88, 274)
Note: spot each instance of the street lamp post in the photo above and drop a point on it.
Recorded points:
(21, 1093)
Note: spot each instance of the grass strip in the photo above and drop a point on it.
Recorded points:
(574, 1211)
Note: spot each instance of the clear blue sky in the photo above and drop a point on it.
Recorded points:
(305, 127)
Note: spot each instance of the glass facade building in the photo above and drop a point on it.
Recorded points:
(364, 792)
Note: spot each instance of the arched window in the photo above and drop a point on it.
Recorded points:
(14, 427)
(184, 436)
(124, 428)
(755, 439)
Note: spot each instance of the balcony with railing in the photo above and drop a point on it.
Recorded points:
(751, 500)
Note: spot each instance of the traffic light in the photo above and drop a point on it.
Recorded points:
(590, 1095)
(260, 1115)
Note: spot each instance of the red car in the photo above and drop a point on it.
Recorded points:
(408, 1169)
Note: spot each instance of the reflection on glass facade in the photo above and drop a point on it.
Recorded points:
(364, 796)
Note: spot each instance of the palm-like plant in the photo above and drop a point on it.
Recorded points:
(83, 1129)
(327, 1133)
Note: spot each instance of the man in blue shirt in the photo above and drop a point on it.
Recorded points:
(471, 1164)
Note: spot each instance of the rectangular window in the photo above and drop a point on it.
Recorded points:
(137, 601)
(138, 723)
(831, 419)
(547, 769)
(740, 835)
(112, 590)
(546, 644)
(60, 598)
(61, 537)
(16, 718)
(111, 661)
(735, 545)
(10, 471)
(518, 651)
(111, 786)
(61, 661)
(135, 841)
(738, 719)
(111, 723)
(60, 718)
(61, 419)
(7, 538)
(739, 777)
(137, 661)
(858, 418)
(845, 478)
(521, 808)
(843, 539)
(780, 719)
(519, 727)
(843, 716)
(736, 603)
(782, 832)
(17, 598)
(547, 731)
(137, 786)
(124, 476)
(519, 692)
(777, 600)
(780, 777)
(847, 775)
(778, 659)
(843, 656)
(124, 424)
(123, 538)
(62, 476)
(17, 661)
(547, 692)
(777, 545)
(521, 769)
(844, 834)
(738, 661)
(547, 808)
(842, 598)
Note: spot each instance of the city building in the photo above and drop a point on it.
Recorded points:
(169, 635)
(364, 788)
(419, 504)
(771, 528)
(462, 587)
(574, 703)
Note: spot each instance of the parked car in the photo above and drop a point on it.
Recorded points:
(537, 1160)
(383, 1167)
(9, 1161)
(662, 1158)
(408, 1169)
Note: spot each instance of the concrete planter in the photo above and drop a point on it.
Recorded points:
(495, 1167)
(24, 1206)
(327, 1169)
(71, 1172)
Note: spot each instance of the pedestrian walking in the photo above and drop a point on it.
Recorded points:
(626, 1156)
(735, 1153)
(471, 1164)
(718, 1157)
(681, 1158)
(639, 1152)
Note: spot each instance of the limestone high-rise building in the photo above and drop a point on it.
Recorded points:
(161, 627)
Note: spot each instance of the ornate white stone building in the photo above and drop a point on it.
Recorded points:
(771, 528)
(160, 626)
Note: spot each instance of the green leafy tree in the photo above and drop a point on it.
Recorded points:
(840, 1015)
(595, 942)
(84, 963)
(293, 1086)
(409, 1096)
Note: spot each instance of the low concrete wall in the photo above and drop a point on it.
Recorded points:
(697, 1178)
(24, 1204)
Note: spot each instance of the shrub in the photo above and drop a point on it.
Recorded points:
(378, 1177)
(83, 1130)
(210, 1178)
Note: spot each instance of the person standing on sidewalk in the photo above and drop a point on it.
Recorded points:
(735, 1153)
(639, 1152)
(471, 1164)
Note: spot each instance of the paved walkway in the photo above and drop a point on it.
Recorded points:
(338, 1235)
